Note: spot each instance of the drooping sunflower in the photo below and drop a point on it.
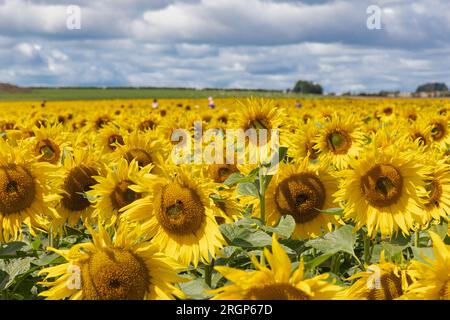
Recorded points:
(145, 148)
(27, 192)
(302, 190)
(275, 283)
(436, 198)
(80, 168)
(230, 208)
(178, 214)
(49, 143)
(112, 269)
(440, 132)
(339, 141)
(381, 281)
(301, 142)
(420, 133)
(381, 191)
(434, 275)
(108, 138)
(260, 114)
(112, 192)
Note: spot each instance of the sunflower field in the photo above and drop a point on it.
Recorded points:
(93, 206)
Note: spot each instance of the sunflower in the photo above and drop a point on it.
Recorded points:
(112, 269)
(178, 214)
(260, 114)
(434, 274)
(220, 172)
(27, 191)
(436, 199)
(111, 193)
(301, 142)
(49, 143)
(80, 166)
(381, 191)
(149, 122)
(302, 190)
(440, 133)
(145, 148)
(230, 208)
(339, 141)
(382, 281)
(108, 138)
(276, 282)
(420, 133)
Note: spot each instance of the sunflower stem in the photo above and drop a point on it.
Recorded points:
(262, 196)
(208, 273)
(416, 238)
(50, 237)
(367, 249)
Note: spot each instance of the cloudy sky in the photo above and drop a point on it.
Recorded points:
(226, 43)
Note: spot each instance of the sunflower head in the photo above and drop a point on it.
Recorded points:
(180, 209)
(382, 281)
(274, 282)
(116, 268)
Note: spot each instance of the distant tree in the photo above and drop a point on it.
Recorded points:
(307, 87)
(431, 87)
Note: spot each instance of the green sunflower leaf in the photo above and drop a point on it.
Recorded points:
(421, 253)
(196, 289)
(236, 178)
(247, 189)
(341, 240)
(11, 248)
(314, 263)
(333, 211)
(15, 268)
(284, 228)
(440, 229)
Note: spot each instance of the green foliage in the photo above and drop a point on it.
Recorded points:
(341, 240)
(307, 87)
(431, 87)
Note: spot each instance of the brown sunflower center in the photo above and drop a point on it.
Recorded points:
(116, 274)
(301, 196)
(78, 181)
(220, 172)
(388, 111)
(142, 157)
(444, 292)
(382, 185)
(388, 287)
(259, 123)
(17, 189)
(276, 291)
(122, 195)
(101, 122)
(223, 119)
(339, 141)
(312, 151)
(434, 188)
(48, 150)
(180, 210)
(147, 125)
(438, 131)
(113, 140)
(418, 136)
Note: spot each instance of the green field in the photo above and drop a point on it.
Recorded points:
(135, 93)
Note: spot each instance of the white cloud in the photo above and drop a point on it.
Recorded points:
(28, 50)
(226, 43)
